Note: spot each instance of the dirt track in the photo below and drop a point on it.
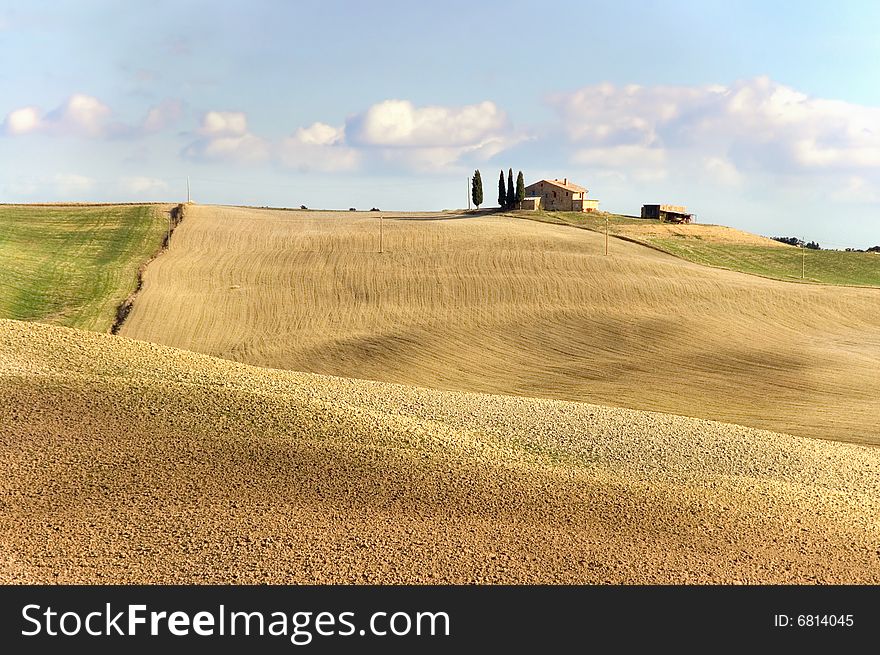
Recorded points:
(502, 305)
(130, 462)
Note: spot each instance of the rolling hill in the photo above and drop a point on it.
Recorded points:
(130, 462)
(502, 305)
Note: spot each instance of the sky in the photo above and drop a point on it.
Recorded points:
(760, 115)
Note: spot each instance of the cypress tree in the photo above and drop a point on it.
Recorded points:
(520, 190)
(477, 189)
(511, 192)
(502, 193)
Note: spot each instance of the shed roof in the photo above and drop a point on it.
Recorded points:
(563, 184)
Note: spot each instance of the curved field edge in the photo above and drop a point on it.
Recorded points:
(729, 249)
(74, 264)
(132, 462)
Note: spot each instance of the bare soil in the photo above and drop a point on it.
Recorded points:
(129, 462)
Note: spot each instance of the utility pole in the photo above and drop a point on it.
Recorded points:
(187, 189)
(606, 235)
(469, 183)
(804, 258)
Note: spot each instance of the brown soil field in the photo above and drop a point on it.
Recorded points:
(131, 462)
(501, 305)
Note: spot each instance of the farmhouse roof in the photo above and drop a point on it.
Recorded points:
(564, 184)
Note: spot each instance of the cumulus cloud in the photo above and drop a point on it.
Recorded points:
(399, 123)
(751, 124)
(86, 116)
(243, 148)
(81, 114)
(318, 147)
(431, 136)
(320, 134)
(22, 121)
(392, 132)
(224, 123)
(224, 136)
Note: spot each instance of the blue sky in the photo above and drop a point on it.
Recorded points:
(761, 115)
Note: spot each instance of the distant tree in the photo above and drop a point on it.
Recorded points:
(502, 192)
(477, 189)
(874, 249)
(511, 192)
(792, 241)
(520, 190)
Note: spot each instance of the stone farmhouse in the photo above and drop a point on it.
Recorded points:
(558, 195)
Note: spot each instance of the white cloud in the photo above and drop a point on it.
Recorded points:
(320, 134)
(71, 184)
(225, 137)
(756, 137)
(79, 115)
(318, 147)
(245, 147)
(22, 121)
(142, 185)
(86, 116)
(224, 123)
(431, 137)
(755, 123)
(393, 132)
(399, 123)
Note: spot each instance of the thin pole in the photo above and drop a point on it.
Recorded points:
(606, 235)
(469, 182)
(804, 259)
(187, 188)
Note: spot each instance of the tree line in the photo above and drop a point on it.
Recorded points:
(794, 241)
(509, 196)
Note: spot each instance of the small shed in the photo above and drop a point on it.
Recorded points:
(531, 202)
(667, 213)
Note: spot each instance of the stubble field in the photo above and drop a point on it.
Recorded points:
(501, 305)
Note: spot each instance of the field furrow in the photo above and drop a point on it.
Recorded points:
(502, 305)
